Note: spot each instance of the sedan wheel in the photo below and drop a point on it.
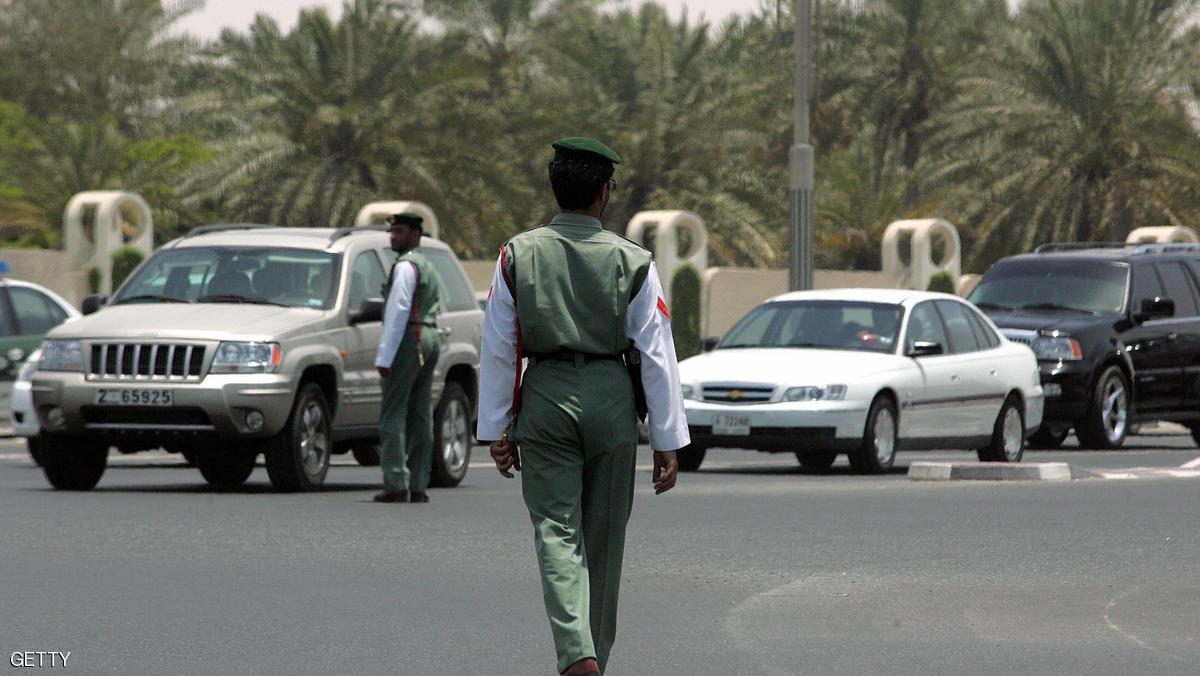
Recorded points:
(1008, 435)
(878, 449)
(816, 461)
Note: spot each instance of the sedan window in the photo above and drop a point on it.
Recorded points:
(835, 325)
(925, 326)
(958, 327)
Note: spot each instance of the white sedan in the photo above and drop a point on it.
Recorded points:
(865, 372)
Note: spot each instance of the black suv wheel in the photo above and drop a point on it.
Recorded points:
(73, 463)
(451, 437)
(298, 457)
(1107, 421)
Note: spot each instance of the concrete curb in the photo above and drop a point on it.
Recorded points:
(989, 471)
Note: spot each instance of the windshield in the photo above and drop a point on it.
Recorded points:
(1084, 286)
(260, 275)
(825, 324)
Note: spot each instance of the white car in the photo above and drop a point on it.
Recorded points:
(865, 372)
(24, 420)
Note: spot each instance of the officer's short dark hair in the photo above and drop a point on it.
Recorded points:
(576, 181)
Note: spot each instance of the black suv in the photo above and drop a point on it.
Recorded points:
(1116, 329)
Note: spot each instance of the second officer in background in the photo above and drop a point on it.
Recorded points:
(407, 356)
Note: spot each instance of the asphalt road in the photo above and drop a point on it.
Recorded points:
(749, 567)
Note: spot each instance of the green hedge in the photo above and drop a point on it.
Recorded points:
(941, 281)
(685, 311)
(124, 261)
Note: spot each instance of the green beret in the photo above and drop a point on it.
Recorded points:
(581, 146)
(408, 218)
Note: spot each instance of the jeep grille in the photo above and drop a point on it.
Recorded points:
(146, 361)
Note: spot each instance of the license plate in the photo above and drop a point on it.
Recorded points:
(731, 425)
(133, 397)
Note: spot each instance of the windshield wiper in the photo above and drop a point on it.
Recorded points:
(234, 298)
(1056, 306)
(993, 306)
(147, 297)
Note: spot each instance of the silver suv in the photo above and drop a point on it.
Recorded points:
(237, 340)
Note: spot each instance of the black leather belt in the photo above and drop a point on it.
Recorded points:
(580, 358)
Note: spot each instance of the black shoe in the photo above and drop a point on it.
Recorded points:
(418, 497)
(392, 496)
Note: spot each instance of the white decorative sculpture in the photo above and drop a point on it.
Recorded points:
(375, 213)
(98, 222)
(1163, 234)
(668, 227)
(921, 267)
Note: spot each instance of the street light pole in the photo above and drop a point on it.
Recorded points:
(800, 189)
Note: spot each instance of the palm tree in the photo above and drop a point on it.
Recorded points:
(317, 122)
(1079, 129)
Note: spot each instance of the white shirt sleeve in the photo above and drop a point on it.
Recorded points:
(649, 327)
(499, 360)
(395, 313)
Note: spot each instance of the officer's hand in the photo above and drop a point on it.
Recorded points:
(384, 373)
(665, 469)
(507, 456)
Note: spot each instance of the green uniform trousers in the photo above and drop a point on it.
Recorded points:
(578, 438)
(406, 414)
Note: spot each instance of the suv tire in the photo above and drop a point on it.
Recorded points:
(1008, 434)
(690, 457)
(298, 457)
(816, 461)
(34, 445)
(451, 437)
(1048, 439)
(367, 456)
(73, 463)
(226, 470)
(1106, 423)
(880, 439)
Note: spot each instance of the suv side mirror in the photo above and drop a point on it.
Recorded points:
(923, 348)
(371, 310)
(93, 302)
(709, 343)
(1155, 308)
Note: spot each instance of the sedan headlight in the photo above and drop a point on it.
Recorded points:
(247, 358)
(689, 392)
(1056, 348)
(816, 393)
(61, 355)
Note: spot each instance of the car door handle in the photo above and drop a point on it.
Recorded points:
(994, 372)
(955, 378)
(1172, 336)
(445, 331)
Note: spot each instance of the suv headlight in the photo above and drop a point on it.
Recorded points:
(29, 366)
(1056, 348)
(247, 358)
(61, 355)
(815, 393)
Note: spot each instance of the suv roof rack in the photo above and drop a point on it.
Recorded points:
(225, 227)
(1164, 247)
(1053, 247)
(345, 232)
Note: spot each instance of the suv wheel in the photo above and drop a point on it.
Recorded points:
(451, 437)
(298, 457)
(816, 461)
(226, 470)
(1008, 435)
(880, 437)
(367, 456)
(690, 457)
(1107, 420)
(34, 445)
(73, 463)
(1049, 438)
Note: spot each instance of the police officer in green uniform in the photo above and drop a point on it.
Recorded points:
(408, 353)
(579, 302)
